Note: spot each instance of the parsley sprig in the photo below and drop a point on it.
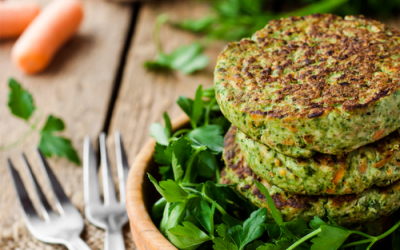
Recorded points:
(21, 105)
(187, 58)
(197, 212)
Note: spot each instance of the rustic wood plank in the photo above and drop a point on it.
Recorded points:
(76, 87)
(144, 95)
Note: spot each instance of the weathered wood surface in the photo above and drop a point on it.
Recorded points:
(76, 87)
(144, 95)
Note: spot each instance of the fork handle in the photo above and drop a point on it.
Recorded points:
(114, 240)
(77, 244)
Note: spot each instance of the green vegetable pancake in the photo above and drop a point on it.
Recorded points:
(373, 164)
(346, 210)
(318, 83)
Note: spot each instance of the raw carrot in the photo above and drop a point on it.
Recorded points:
(36, 47)
(15, 17)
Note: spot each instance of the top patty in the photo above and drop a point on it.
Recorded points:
(313, 83)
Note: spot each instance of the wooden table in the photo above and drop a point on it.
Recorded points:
(97, 83)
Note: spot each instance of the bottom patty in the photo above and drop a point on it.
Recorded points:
(368, 206)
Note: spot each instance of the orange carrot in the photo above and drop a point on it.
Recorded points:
(15, 17)
(339, 174)
(46, 34)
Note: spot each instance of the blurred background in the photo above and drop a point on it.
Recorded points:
(124, 64)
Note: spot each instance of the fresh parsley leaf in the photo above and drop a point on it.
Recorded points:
(222, 230)
(205, 216)
(274, 231)
(160, 156)
(187, 235)
(169, 189)
(254, 245)
(222, 244)
(252, 229)
(20, 101)
(215, 193)
(298, 227)
(186, 59)
(56, 145)
(316, 222)
(173, 215)
(210, 136)
(196, 25)
(168, 124)
(207, 164)
(51, 144)
(197, 107)
(53, 124)
(330, 238)
(279, 245)
(186, 105)
(177, 168)
(159, 133)
(231, 221)
(158, 208)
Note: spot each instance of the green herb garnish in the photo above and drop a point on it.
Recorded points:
(21, 105)
(187, 59)
(196, 212)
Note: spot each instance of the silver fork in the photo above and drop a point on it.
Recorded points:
(63, 228)
(110, 215)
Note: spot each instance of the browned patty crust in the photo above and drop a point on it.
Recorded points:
(312, 79)
(351, 209)
(377, 163)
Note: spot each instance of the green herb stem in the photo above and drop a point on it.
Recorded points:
(305, 238)
(161, 19)
(211, 201)
(185, 184)
(17, 142)
(372, 239)
(180, 132)
(363, 234)
(32, 128)
(189, 167)
(217, 175)
(357, 243)
(208, 109)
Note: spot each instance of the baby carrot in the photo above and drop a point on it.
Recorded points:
(36, 47)
(15, 17)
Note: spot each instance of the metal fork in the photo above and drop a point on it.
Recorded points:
(63, 228)
(110, 215)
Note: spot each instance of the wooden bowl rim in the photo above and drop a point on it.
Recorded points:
(139, 218)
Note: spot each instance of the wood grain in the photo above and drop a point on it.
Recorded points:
(144, 95)
(76, 87)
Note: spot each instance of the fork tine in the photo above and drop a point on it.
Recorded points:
(108, 184)
(23, 197)
(122, 165)
(90, 179)
(43, 204)
(62, 201)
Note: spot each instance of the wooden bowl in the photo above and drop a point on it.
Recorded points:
(141, 195)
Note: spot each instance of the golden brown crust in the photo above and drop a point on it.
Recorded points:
(308, 66)
(242, 170)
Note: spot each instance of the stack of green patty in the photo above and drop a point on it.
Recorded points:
(315, 104)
